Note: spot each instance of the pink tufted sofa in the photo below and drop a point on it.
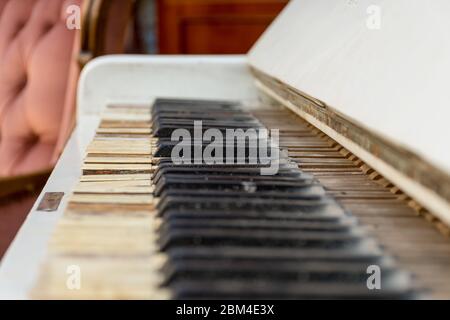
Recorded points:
(39, 69)
(37, 74)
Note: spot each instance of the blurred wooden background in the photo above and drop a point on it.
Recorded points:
(213, 26)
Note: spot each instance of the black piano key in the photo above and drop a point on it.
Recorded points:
(165, 151)
(243, 195)
(230, 175)
(167, 103)
(264, 238)
(395, 287)
(166, 130)
(222, 185)
(245, 190)
(334, 215)
(249, 152)
(292, 271)
(230, 170)
(170, 116)
(206, 123)
(229, 232)
(284, 164)
(366, 251)
(230, 203)
(338, 225)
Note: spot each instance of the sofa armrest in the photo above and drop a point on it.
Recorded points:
(29, 182)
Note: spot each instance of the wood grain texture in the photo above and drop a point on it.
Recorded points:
(419, 242)
(213, 26)
(373, 76)
(418, 177)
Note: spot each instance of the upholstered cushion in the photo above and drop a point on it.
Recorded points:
(36, 58)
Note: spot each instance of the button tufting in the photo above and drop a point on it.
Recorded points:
(35, 61)
(22, 85)
(48, 27)
(19, 28)
(32, 140)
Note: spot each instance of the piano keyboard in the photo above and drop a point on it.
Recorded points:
(139, 226)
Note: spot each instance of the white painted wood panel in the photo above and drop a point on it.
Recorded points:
(394, 80)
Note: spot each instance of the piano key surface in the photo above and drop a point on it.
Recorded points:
(200, 231)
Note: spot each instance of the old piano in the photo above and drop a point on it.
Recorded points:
(355, 93)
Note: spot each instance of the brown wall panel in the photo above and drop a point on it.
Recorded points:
(213, 26)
